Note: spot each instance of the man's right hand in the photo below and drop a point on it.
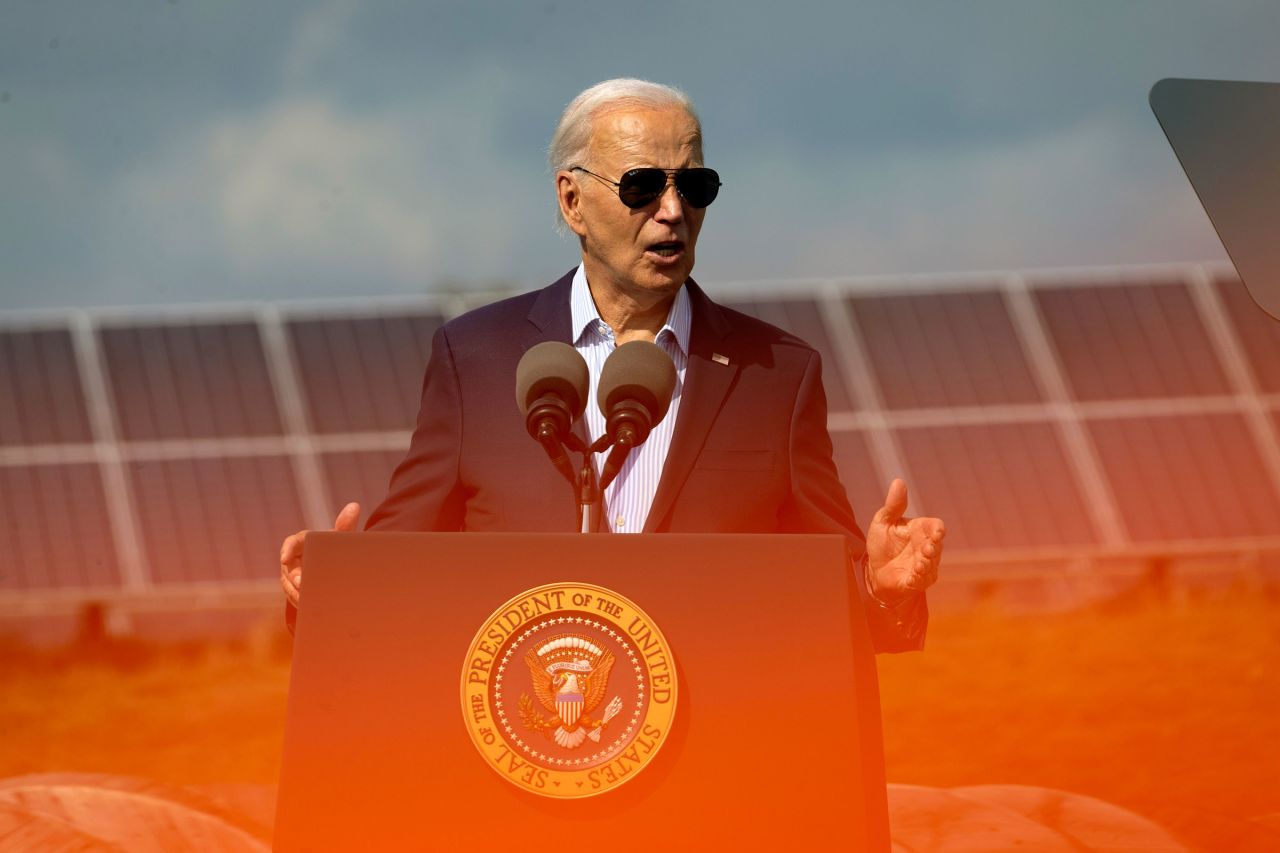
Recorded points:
(291, 552)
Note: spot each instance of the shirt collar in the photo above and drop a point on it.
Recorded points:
(583, 312)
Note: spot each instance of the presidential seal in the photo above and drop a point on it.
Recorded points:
(568, 690)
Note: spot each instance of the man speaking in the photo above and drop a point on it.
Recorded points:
(743, 447)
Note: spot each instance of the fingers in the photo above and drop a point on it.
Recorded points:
(926, 577)
(895, 502)
(291, 583)
(347, 518)
(925, 547)
(931, 547)
(926, 572)
(291, 548)
(921, 575)
(291, 565)
(926, 530)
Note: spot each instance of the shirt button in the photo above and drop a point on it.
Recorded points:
(620, 522)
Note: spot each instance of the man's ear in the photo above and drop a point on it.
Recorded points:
(569, 194)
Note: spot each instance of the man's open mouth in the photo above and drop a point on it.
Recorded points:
(667, 249)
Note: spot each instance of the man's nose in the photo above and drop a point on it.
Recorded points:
(670, 203)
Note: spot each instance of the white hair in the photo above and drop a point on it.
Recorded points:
(572, 138)
(573, 134)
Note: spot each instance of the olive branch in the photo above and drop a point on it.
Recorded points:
(530, 717)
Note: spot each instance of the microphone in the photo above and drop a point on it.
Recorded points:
(635, 390)
(551, 393)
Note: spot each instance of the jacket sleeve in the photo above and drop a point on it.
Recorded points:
(818, 504)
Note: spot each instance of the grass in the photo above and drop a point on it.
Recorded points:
(1156, 705)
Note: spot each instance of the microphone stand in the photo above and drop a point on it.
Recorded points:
(591, 490)
(589, 496)
(629, 431)
(627, 426)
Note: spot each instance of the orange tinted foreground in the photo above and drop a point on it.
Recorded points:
(1164, 708)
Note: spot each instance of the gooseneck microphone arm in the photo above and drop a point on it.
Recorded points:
(636, 384)
(627, 427)
(549, 423)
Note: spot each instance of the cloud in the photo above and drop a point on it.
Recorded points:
(1101, 191)
(307, 188)
(312, 196)
(302, 149)
(307, 193)
(319, 34)
(296, 195)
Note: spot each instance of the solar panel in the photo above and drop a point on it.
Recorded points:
(215, 519)
(360, 476)
(1187, 477)
(1258, 333)
(1131, 341)
(189, 381)
(183, 433)
(41, 395)
(362, 374)
(998, 485)
(55, 528)
(943, 349)
(858, 473)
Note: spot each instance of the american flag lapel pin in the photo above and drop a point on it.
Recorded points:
(719, 359)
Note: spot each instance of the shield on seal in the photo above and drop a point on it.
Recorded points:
(569, 677)
(569, 707)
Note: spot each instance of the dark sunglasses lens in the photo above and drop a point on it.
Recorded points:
(641, 186)
(699, 186)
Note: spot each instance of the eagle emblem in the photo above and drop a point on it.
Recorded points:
(564, 649)
(570, 677)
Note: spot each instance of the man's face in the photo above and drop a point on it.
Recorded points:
(644, 252)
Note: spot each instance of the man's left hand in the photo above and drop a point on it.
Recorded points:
(902, 553)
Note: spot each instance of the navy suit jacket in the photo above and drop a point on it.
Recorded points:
(750, 452)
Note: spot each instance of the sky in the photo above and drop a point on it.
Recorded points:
(179, 151)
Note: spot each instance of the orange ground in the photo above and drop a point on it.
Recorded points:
(1157, 706)
(1163, 708)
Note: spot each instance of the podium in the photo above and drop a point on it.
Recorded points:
(773, 738)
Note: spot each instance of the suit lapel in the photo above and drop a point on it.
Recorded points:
(549, 318)
(706, 382)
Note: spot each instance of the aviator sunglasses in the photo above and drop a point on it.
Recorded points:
(638, 187)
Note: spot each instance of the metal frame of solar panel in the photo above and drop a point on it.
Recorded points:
(154, 458)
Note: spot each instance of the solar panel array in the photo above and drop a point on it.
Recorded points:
(1076, 411)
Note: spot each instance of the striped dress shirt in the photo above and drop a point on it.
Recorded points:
(628, 498)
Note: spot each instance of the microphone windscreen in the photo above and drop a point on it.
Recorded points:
(640, 371)
(552, 367)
